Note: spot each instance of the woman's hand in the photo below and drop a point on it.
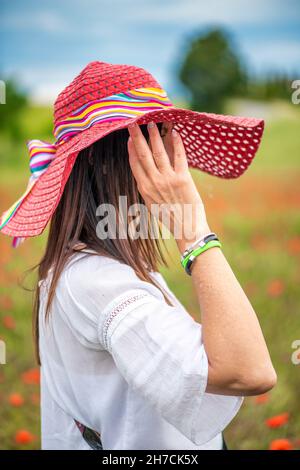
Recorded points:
(164, 181)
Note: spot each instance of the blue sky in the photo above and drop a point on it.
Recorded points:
(46, 43)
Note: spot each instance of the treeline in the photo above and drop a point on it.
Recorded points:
(274, 86)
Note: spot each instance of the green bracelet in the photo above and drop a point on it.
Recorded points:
(196, 252)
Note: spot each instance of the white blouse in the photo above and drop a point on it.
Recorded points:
(117, 358)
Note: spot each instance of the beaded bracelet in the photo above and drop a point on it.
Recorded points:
(189, 259)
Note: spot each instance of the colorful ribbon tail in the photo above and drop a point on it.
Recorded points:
(41, 154)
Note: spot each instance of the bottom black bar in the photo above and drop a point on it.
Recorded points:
(135, 459)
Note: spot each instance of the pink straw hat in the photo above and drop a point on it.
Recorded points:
(105, 97)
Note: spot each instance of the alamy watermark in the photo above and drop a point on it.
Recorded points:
(137, 221)
(296, 354)
(296, 93)
(2, 352)
(2, 92)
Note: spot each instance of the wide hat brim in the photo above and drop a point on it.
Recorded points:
(223, 146)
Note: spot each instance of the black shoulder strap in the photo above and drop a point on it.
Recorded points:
(90, 436)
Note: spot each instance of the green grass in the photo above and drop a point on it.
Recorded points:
(257, 217)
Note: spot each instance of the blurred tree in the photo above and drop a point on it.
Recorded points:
(277, 85)
(212, 71)
(15, 101)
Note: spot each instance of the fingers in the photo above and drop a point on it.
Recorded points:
(142, 149)
(159, 153)
(162, 154)
(135, 164)
(180, 160)
(166, 134)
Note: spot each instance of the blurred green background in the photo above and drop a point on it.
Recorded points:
(257, 217)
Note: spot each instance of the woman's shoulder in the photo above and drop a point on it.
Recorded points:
(88, 266)
(90, 262)
(89, 277)
(82, 267)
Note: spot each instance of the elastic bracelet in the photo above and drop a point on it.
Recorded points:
(188, 260)
(200, 242)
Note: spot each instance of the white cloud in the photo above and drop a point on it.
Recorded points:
(44, 83)
(107, 16)
(280, 55)
(41, 20)
(230, 12)
(46, 93)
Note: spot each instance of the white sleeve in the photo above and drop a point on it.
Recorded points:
(159, 351)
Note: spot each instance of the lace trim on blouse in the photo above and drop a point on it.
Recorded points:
(116, 310)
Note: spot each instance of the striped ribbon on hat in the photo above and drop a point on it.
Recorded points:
(132, 103)
(120, 106)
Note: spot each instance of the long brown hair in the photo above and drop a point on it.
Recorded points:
(100, 175)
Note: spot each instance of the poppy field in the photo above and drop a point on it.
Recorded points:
(257, 218)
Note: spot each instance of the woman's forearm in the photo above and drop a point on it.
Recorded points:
(239, 361)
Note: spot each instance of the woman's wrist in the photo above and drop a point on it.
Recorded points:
(186, 241)
(194, 225)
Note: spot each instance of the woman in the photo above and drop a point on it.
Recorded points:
(123, 364)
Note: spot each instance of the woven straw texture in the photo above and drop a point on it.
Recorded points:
(99, 80)
(223, 146)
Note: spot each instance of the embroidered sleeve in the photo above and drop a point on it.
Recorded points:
(116, 310)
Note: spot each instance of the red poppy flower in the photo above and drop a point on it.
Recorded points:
(277, 421)
(275, 288)
(24, 437)
(31, 376)
(294, 245)
(9, 322)
(16, 399)
(281, 444)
